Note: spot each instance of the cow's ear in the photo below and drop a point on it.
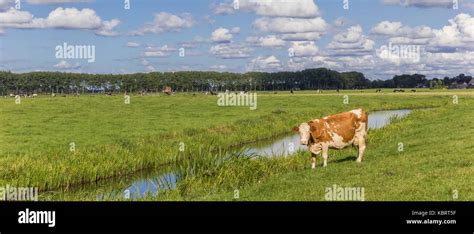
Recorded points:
(295, 129)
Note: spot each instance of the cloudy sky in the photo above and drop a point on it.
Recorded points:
(432, 37)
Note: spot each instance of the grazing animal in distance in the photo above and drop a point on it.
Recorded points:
(378, 90)
(335, 131)
(167, 90)
(413, 90)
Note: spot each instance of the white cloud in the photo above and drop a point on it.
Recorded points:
(235, 30)
(230, 51)
(422, 3)
(107, 28)
(66, 18)
(166, 22)
(281, 8)
(388, 28)
(340, 63)
(221, 35)
(432, 64)
(358, 63)
(132, 44)
(461, 59)
(264, 63)
(307, 36)
(341, 22)
(63, 64)
(267, 41)
(70, 18)
(351, 42)
(222, 8)
(6, 3)
(290, 25)
(163, 51)
(150, 68)
(407, 40)
(13, 17)
(459, 33)
(304, 48)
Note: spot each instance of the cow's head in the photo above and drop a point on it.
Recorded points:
(304, 131)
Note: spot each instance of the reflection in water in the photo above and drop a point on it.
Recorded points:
(144, 187)
(379, 119)
(290, 144)
(280, 147)
(147, 184)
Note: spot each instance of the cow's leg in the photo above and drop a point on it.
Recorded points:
(313, 160)
(361, 151)
(325, 155)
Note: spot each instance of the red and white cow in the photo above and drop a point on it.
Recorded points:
(334, 131)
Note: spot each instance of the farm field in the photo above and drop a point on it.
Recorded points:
(59, 143)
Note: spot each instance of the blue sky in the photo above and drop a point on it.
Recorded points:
(258, 35)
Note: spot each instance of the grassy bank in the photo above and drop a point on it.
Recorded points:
(436, 162)
(113, 139)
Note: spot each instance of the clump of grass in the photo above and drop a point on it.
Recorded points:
(205, 170)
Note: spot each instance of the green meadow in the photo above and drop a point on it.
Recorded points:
(61, 143)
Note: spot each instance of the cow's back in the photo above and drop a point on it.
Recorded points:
(341, 129)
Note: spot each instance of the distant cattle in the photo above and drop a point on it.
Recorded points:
(167, 90)
(413, 90)
(335, 131)
(398, 90)
(378, 90)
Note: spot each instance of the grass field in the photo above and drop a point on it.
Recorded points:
(113, 139)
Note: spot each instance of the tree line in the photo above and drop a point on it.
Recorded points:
(197, 81)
